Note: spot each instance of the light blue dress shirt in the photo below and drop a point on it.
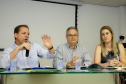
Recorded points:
(23, 61)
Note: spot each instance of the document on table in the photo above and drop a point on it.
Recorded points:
(44, 69)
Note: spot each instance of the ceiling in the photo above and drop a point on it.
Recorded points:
(114, 3)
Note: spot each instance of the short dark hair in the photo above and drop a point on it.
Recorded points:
(71, 28)
(17, 29)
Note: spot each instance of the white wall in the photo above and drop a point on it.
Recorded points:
(41, 17)
(92, 17)
(122, 22)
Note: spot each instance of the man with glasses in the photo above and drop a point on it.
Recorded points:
(72, 50)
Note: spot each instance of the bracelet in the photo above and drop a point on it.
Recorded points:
(51, 48)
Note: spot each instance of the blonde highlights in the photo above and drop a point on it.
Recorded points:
(114, 46)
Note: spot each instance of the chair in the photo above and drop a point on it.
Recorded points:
(123, 78)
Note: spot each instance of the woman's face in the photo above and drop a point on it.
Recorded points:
(106, 35)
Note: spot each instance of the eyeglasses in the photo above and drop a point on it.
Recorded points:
(70, 35)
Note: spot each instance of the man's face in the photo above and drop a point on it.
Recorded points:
(22, 36)
(72, 37)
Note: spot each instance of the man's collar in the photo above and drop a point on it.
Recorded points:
(15, 45)
(70, 47)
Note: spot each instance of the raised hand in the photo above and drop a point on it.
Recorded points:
(47, 41)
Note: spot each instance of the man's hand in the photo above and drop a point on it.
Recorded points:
(72, 62)
(47, 41)
(25, 46)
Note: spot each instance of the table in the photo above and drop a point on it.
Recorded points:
(60, 76)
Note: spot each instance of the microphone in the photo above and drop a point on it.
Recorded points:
(27, 51)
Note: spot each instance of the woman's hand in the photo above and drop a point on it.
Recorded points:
(115, 62)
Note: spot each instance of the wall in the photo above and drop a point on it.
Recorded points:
(41, 17)
(122, 22)
(92, 17)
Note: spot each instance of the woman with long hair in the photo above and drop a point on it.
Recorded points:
(108, 52)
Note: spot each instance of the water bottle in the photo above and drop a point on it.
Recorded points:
(13, 65)
(59, 64)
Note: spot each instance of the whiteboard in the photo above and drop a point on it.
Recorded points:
(41, 17)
